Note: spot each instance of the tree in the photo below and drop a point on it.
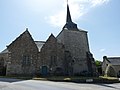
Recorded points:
(98, 63)
(99, 66)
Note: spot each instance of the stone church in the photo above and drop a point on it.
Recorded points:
(111, 66)
(66, 54)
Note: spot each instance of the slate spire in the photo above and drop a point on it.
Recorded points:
(68, 18)
(69, 24)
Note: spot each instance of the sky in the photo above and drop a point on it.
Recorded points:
(101, 18)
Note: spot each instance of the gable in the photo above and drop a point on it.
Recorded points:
(24, 41)
(51, 39)
(51, 42)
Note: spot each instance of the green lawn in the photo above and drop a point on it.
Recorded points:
(16, 77)
(100, 79)
(77, 79)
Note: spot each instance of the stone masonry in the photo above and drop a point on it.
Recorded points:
(66, 54)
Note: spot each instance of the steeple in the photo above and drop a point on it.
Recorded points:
(69, 24)
(68, 18)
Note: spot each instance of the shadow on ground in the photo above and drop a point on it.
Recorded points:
(108, 85)
(9, 80)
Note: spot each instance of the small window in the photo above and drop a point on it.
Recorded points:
(1, 61)
(53, 61)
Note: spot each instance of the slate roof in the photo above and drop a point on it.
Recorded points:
(69, 24)
(39, 44)
(4, 51)
(114, 60)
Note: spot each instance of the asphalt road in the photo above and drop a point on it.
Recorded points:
(13, 84)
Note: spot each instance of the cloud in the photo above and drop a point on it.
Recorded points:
(102, 50)
(57, 19)
(77, 8)
(98, 2)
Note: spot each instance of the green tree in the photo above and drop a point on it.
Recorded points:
(99, 66)
(98, 63)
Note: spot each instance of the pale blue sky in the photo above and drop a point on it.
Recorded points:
(101, 18)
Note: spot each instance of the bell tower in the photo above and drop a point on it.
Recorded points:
(76, 43)
(69, 24)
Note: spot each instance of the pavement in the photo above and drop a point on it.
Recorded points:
(16, 84)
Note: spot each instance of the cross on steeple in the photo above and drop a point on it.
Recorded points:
(69, 24)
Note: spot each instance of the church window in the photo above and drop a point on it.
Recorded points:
(26, 60)
(53, 61)
(1, 61)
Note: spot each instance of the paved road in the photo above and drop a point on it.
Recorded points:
(48, 85)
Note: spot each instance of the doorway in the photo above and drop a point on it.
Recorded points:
(44, 70)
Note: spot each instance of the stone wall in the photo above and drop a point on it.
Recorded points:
(52, 56)
(3, 63)
(23, 56)
(76, 42)
(64, 55)
(4, 58)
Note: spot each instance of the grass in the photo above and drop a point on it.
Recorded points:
(109, 78)
(77, 79)
(100, 79)
(16, 77)
(62, 78)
